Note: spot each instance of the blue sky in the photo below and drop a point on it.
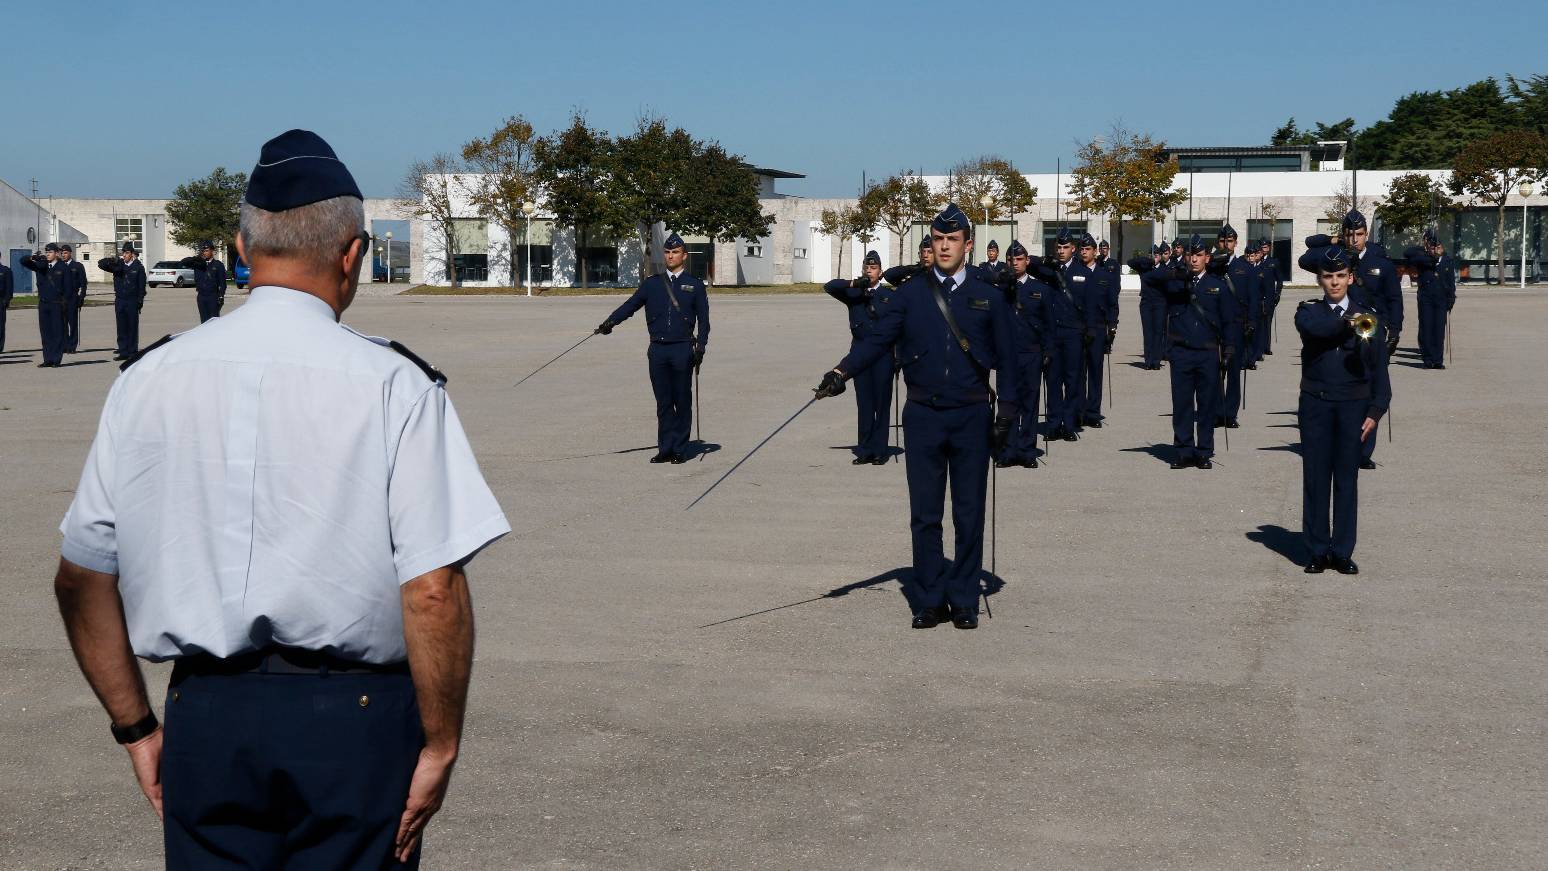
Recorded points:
(171, 90)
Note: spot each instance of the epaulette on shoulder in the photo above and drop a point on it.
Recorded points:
(431, 372)
(124, 367)
(1312, 301)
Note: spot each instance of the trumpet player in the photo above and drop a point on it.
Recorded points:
(1344, 393)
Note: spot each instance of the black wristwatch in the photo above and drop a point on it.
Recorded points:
(131, 734)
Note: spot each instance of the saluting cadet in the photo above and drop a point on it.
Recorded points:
(51, 303)
(1270, 285)
(73, 276)
(209, 281)
(285, 508)
(1254, 257)
(903, 272)
(1065, 341)
(7, 291)
(1437, 292)
(1097, 287)
(863, 297)
(1028, 298)
(1104, 256)
(1344, 393)
(128, 297)
(1152, 305)
(675, 302)
(950, 329)
(1240, 280)
(1203, 331)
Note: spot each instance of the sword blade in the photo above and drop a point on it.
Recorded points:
(555, 360)
(739, 463)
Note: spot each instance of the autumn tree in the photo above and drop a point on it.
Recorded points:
(899, 203)
(1125, 177)
(1343, 203)
(207, 208)
(969, 181)
(1489, 171)
(849, 222)
(504, 181)
(429, 192)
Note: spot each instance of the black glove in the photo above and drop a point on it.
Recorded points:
(1249, 331)
(861, 283)
(1046, 361)
(1112, 336)
(1142, 263)
(1392, 342)
(1000, 434)
(605, 328)
(1226, 356)
(698, 356)
(832, 384)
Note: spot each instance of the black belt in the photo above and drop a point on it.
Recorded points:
(280, 660)
(669, 341)
(934, 400)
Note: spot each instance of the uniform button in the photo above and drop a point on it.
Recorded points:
(176, 695)
(365, 700)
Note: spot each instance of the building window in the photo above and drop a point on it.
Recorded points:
(1207, 229)
(540, 241)
(601, 264)
(129, 230)
(799, 254)
(471, 240)
(701, 260)
(1051, 232)
(754, 250)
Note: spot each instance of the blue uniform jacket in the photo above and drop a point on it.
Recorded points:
(1437, 281)
(7, 285)
(1273, 285)
(50, 278)
(128, 278)
(1066, 309)
(1241, 279)
(862, 303)
(1028, 299)
(936, 369)
(665, 323)
(1336, 364)
(72, 277)
(209, 276)
(1097, 288)
(1377, 284)
(1200, 312)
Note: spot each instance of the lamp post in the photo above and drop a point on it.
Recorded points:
(987, 201)
(1525, 190)
(388, 237)
(529, 208)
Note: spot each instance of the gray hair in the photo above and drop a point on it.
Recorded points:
(315, 234)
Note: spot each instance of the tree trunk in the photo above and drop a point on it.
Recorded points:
(1500, 239)
(510, 260)
(451, 259)
(580, 254)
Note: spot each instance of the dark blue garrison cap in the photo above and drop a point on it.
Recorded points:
(672, 241)
(925, 242)
(872, 259)
(1160, 248)
(1226, 232)
(993, 245)
(51, 247)
(1195, 244)
(1064, 237)
(1333, 259)
(1016, 249)
(211, 245)
(128, 246)
(1354, 220)
(1103, 244)
(297, 168)
(950, 220)
(1086, 241)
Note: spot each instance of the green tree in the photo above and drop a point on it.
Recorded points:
(1489, 170)
(970, 180)
(1413, 200)
(1426, 129)
(504, 181)
(208, 208)
(428, 193)
(575, 166)
(1287, 134)
(1124, 176)
(849, 222)
(1529, 101)
(900, 202)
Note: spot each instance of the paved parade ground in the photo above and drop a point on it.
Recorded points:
(736, 686)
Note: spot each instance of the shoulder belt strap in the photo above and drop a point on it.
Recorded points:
(956, 332)
(124, 367)
(1193, 300)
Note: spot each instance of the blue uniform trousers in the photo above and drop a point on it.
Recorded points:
(1023, 436)
(1231, 394)
(1065, 354)
(873, 404)
(72, 327)
(671, 379)
(1090, 407)
(1432, 330)
(127, 313)
(1330, 457)
(1153, 330)
(1265, 334)
(1195, 394)
(209, 306)
(942, 443)
(51, 329)
(287, 770)
(3, 310)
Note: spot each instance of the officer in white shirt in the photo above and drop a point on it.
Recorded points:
(285, 508)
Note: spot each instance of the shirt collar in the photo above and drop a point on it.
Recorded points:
(1343, 303)
(272, 295)
(957, 279)
(674, 275)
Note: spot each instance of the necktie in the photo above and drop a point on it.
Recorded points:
(948, 284)
(1338, 310)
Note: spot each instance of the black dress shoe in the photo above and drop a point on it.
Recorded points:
(964, 618)
(1219, 422)
(1005, 464)
(1094, 424)
(44, 365)
(1267, 353)
(1232, 424)
(1181, 462)
(1345, 565)
(1438, 366)
(1317, 565)
(661, 457)
(677, 459)
(860, 461)
(1203, 463)
(1367, 464)
(1029, 464)
(878, 461)
(1252, 366)
(929, 618)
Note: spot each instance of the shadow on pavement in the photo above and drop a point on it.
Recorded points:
(989, 584)
(1159, 450)
(1281, 541)
(1290, 448)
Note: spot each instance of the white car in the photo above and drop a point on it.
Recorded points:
(169, 272)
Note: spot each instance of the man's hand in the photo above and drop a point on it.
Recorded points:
(1112, 336)
(1367, 428)
(1000, 434)
(605, 328)
(1392, 342)
(1226, 356)
(145, 758)
(860, 283)
(832, 384)
(698, 356)
(427, 792)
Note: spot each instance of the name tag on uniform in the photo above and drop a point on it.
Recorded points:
(1212, 291)
(1037, 294)
(1376, 271)
(1079, 277)
(979, 304)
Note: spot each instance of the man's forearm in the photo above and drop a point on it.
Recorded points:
(438, 629)
(94, 620)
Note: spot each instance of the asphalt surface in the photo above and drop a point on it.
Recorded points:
(736, 686)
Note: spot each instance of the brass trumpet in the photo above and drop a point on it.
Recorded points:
(1363, 324)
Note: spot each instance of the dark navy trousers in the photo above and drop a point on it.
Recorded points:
(72, 327)
(873, 406)
(3, 309)
(209, 306)
(287, 771)
(1231, 396)
(1091, 379)
(1330, 470)
(127, 313)
(51, 330)
(1153, 330)
(1065, 355)
(1432, 330)
(1023, 436)
(671, 379)
(947, 445)
(1195, 393)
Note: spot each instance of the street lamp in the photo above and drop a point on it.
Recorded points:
(1526, 191)
(388, 237)
(529, 208)
(987, 201)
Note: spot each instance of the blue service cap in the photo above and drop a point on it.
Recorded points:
(205, 243)
(297, 168)
(993, 246)
(1195, 245)
(65, 246)
(1085, 241)
(1016, 249)
(127, 247)
(1103, 244)
(1429, 236)
(872, 259)
(924, 242)
(1064, 237)
(1334, 258)
(52, 246)
(1354, 220)
(673, 241)
(1226, 232)
(1160, 248)
(952, 219)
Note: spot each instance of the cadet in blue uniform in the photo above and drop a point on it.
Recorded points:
(1241, 282)
(675, 302)
(1270, 285)
(1203, 331)
(1344, 393)
(128, 297)
(950, 329)
(1065, 340)
(7, 290)
(1152, 306)
(992, 268)
(1104, 257)
(1437, 293)
(73, 277)
(209, 281)
(1097, 286)
(1254, 257)
(1028, 297)
(863, 297)
(51, 303)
